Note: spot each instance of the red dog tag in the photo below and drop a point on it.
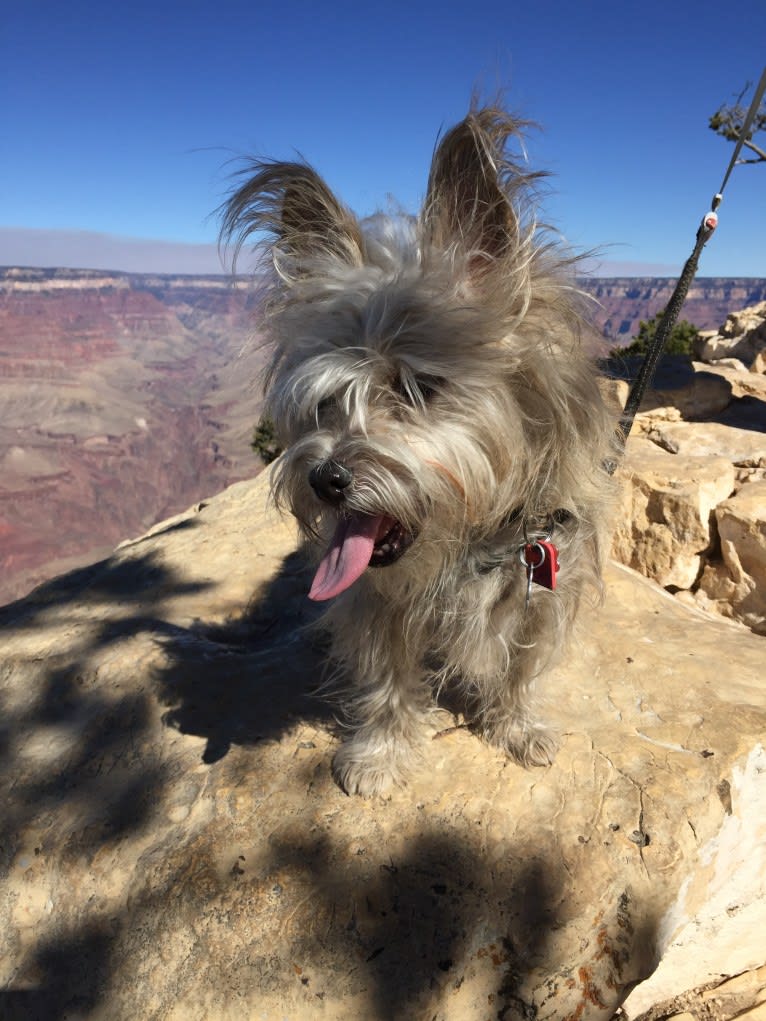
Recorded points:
(542, 560)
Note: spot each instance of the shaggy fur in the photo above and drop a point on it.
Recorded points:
(429, 388)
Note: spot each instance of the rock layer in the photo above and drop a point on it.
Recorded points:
(742, 336)
(122, 400)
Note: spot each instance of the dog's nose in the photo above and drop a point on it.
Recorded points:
(329, 479)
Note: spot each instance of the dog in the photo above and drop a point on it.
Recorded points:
(445, 440)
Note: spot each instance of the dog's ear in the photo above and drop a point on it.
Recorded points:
(468, 205)
(291, 202)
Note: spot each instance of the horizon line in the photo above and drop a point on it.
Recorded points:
(100, 252)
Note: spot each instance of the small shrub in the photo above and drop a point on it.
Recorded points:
(679, 341)
(264, 441)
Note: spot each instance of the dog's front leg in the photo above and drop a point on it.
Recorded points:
(385, 708)
(508, 717)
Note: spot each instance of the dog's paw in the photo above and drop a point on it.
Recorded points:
(531, 745)
(366, 771)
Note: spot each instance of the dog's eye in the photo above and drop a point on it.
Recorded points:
(419, 390)
(429, 388)
(326, 404)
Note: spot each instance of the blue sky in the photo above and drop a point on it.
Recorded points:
(119, 122)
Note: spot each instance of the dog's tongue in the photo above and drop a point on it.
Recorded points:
(348, 554)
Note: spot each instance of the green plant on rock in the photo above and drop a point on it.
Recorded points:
(679, 341)
(264, 441)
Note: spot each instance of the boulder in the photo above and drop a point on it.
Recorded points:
(742, 997)
(173, 845)
(735, 584)
(693, 388)
(743, 336)
(743, 447)
(697, 412)
(664, 521)
(743, 382)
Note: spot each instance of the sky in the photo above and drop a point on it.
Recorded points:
(121, 124)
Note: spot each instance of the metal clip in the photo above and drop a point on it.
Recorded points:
(540, 534)
(531, 566)
(538, 554)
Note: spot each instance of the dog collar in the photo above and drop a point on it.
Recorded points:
(538, 554)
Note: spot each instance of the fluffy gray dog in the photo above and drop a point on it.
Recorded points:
(445, 438)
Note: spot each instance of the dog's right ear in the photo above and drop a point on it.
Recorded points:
(469, 204)
(292, 203)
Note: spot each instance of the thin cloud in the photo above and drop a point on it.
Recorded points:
(79, 249)
(627, 268)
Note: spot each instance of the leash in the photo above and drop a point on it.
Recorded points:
(668, 321)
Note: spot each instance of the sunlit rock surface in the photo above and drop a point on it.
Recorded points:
(173, 845)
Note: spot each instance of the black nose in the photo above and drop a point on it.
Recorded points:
(329, 479)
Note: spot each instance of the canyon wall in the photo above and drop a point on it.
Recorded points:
(127, 397)
(122, 400)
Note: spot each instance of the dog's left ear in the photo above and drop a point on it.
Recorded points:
(467, 205)
(291, 202)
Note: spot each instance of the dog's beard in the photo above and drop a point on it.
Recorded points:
(417, 485)
(360, 541)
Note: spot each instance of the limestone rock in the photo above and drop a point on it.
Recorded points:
(736, 585)
(718, 909)
(743, 382)
(740, 993)
(693, 388)
(173, 845)
(710, 439)
(703, 395)
(663, 525)
(695, 423)
(742, 336)
(741, 997)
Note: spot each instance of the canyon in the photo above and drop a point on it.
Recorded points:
(125, 398)
(122, 400)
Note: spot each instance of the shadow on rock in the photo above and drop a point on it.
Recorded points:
(144, 872)
(67, 740)
(69, 972)
(248, 680)
(406, 933)
(743, 413)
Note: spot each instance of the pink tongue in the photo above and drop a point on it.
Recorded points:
(347, 556)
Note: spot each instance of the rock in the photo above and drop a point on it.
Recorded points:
(623, 302)
(718, 909)
(614, 391)
(739, 993)
(735, 585)
(683, 418)
(174, 846)
(706, 394)
(756, 1014)
(742, 336)
(691, 388)
(729, 363)
(709, 439)
(663, 524)
(743, 382)
(743, 996)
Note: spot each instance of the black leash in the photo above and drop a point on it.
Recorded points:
(668, 321)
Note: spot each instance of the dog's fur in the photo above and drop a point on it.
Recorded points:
(428, 382)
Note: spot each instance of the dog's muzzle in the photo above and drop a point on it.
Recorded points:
(329, 481)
